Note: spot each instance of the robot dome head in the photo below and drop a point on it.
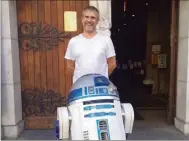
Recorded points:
(92, 85)
(96, 80)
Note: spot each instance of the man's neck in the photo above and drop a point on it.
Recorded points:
(89, 35)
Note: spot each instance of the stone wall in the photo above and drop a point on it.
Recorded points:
(182, 97)
(11, 104)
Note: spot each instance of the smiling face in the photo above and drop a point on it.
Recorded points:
(90, 20)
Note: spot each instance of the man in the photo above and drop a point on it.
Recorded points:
(90, 52)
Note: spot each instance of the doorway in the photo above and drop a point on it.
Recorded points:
(139, 27)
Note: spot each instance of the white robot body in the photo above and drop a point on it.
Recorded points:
(97, 121)
(94, 112)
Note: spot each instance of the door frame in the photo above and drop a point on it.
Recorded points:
(173, 60)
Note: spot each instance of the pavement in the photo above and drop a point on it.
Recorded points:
(140, 132)
(153, 127)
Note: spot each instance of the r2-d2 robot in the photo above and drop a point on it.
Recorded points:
(94, 112)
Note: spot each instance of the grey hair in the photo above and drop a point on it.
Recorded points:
(91, 8)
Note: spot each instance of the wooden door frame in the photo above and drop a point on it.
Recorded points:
(173, 60)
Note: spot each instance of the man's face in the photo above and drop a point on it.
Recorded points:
(89, 20)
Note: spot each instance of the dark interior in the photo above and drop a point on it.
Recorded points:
(129, 35)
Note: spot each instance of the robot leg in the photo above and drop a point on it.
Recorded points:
(62, 123)
(128, 117)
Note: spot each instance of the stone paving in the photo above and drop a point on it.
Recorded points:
(152, 128)
(141, 131)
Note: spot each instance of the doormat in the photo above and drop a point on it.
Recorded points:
(138, 116)
(151, 101)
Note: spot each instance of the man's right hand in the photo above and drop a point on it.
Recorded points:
(70, 67)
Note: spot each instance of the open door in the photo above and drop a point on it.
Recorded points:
(173, 60)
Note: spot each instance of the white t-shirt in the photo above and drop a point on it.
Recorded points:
(90, 55)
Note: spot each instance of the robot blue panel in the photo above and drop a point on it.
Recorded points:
(101, 81)
(92, 85)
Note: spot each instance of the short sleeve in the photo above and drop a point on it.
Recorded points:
(69, 52)
(110, 51)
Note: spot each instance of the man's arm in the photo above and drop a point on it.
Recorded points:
(111, 56)
(70, 59)
(70, 67)
(111, 64)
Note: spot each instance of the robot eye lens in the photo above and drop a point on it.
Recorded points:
(104, 136)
